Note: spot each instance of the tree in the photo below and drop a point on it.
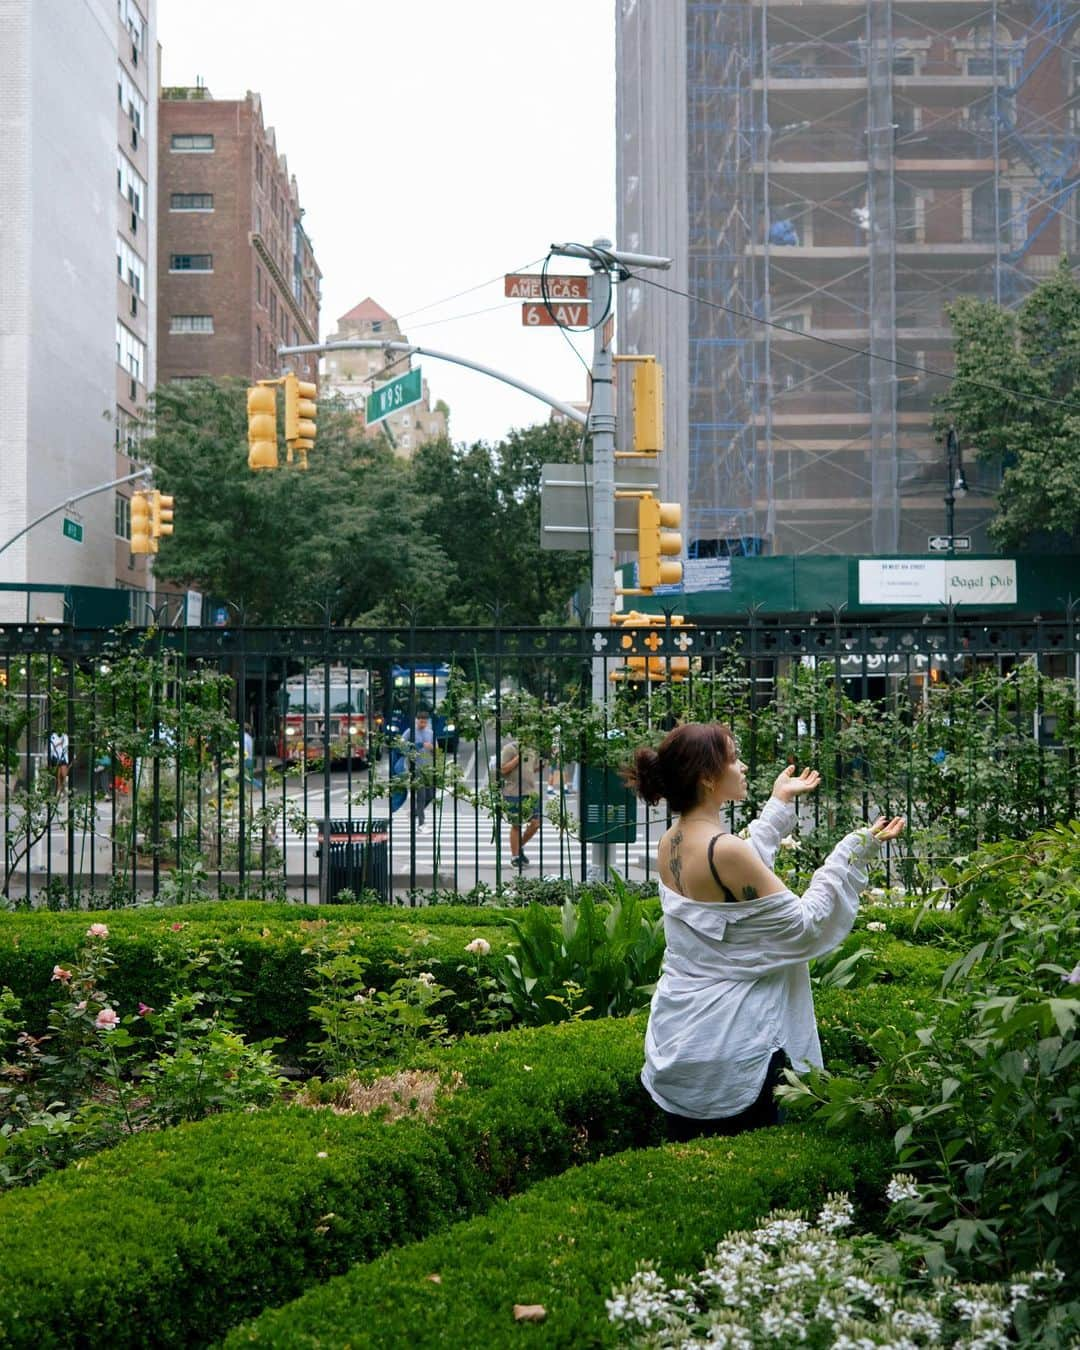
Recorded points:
(1030, 354)
(282, 545)
(481, 505)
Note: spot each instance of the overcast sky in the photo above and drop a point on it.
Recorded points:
(436, 146)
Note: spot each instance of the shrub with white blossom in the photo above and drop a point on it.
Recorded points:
(790, 1282)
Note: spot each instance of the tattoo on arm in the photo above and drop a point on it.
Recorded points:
(675, 861)
(749, 893)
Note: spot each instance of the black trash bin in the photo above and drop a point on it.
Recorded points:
(354, 855)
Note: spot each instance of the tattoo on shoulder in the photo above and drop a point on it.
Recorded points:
(674, 860)
(749, 893)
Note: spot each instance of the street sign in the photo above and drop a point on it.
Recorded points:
(72, 530)
(395, 395)
(560, 315)
(527, 286)
(942, 543)
(566, 504)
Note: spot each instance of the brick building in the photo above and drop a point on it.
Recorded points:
(237, 272)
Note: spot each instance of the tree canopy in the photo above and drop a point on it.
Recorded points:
(442, 538)
(1032, 356)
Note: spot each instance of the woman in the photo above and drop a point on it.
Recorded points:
(733, 1002)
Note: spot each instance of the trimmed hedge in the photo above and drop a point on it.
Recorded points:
(567, 1241)
(275, 967)
(271, 941)
(168, 1238)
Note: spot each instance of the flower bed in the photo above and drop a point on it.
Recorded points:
(567, 1241)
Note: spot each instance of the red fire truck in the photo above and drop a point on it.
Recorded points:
(309, 720)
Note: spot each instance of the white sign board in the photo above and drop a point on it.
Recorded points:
(700, 574)
(937, 581)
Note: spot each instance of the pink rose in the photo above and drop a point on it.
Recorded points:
(144, 1010)
(97, 930)
(107, 1020)
(59, 973)
(176, 927)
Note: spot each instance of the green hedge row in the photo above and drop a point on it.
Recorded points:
(566, 1242)
(169, 1238)
(273, 943)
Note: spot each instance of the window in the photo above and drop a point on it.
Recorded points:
(990, 212)
(130, 99)
(191, 323)
(130, 352)
(192, 143)
(191, 262)
(191, 201)
(130, 267)
(906, 208)
(123, 516)
(273, 307)
(134, 22)
(130, 184)
(129, 433)
(258, 166)
(903, 65)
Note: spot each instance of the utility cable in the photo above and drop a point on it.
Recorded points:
(467, 291)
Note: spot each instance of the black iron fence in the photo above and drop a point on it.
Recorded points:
(175, 762)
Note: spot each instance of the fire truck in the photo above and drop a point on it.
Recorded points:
(309, 718)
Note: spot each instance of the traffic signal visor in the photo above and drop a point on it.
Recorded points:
(657, 541)
(262, 427)
(141, 540)
(161, 514)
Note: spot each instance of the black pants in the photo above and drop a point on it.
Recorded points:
(762, 1112)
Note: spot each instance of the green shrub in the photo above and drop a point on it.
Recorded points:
(567, 1241)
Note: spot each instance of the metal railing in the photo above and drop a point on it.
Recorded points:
(968, 726)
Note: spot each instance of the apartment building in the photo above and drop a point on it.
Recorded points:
(237, 276)
(352, 375)
(828, 175)
(78, 99)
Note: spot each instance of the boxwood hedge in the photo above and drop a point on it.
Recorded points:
(566, 1242)
(169, 1238)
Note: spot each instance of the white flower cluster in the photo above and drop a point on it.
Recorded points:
(903, 1186)
(790, 1282)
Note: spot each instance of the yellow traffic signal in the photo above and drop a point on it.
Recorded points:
(141, 539)
(648, 396)
(262, 426)
(300, 411)
(161, 515)
(656, 541)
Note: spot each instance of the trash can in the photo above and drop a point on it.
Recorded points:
(354, 855)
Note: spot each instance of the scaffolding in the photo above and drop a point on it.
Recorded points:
(851, 167)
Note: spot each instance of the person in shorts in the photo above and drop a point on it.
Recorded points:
(59, 756)
(521, 796)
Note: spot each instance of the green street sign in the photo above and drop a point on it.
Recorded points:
(72, 530)
(392, 397)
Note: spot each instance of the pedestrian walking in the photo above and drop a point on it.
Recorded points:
(59, 757)
(421, 736)
(733, 1006)
(520, 773)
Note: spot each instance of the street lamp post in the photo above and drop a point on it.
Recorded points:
(957, 484)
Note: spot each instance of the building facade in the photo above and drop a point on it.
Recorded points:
(238, 276)
(78, 102)
(827, 176)
(352, 375)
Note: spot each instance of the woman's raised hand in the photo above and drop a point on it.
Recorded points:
(884, 830)
(790, 784)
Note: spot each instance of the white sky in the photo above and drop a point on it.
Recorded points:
(437, 144)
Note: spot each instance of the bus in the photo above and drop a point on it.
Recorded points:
(421, 686)
(307, 717)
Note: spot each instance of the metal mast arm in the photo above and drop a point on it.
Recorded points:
(70, 501)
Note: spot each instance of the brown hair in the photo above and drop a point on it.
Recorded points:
(683, 758)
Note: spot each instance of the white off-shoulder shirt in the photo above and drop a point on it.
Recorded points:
(735, 987)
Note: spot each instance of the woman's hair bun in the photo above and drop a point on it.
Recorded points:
(644, 775)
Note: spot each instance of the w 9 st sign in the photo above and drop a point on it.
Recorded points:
(395, 395)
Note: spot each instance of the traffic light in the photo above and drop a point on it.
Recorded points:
(655, 667)
(262, 426)
(141, 539)
(647, 389)
(300, 413)
(656, 541)
(161, 515)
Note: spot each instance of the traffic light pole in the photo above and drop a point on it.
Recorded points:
(70, 501)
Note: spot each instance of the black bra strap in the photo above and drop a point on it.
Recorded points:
(712, 868)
